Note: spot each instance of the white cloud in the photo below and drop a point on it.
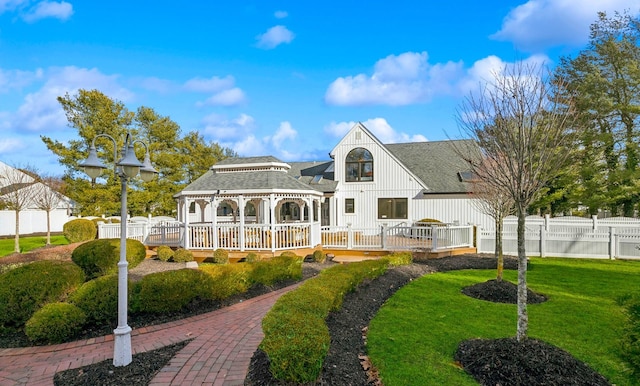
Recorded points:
(274, 37)
(249, 146)
(540, 24)
(223, 129)
(18, 79)
(41, 111)
(379, 127)
(281, 14)
(213, 84)
(11, 5)
(231, 97)
(49, 9)
(399, 80)
(284, 133)
(10, 145)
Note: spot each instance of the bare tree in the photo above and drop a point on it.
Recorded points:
(47, 197)
(17, 190)
(526, 135)
(498, 204)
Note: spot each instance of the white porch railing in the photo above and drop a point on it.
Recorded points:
(292, 236)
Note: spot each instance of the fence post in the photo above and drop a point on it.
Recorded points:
(594, 218)
(434, 237)
(543, 240)
(349, 236)
(384, 236)
(612, 242)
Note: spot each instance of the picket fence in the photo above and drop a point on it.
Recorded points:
(610, 238)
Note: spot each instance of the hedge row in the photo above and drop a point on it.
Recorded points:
(296, 335)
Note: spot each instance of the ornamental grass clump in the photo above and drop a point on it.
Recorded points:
(296, 335)
(170, 291)
(228, 279)
(26, 289)
(55, 323)
(100, 257)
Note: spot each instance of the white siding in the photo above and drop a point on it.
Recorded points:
(451, 209)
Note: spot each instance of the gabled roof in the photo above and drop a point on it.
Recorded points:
(318, 175)
(437, 163)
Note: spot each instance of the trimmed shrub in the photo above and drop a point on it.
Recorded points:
(228, 279)
(319, 256)
(288, 254)
(100, 257)
(26, 289)
(279, 268)
(182, 255)
(164, 253)
(220, 256)
(296, 336)
(170, 290)
(55, 323)
(79, 230)
(98, 299)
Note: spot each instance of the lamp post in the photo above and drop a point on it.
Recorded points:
(127, 167)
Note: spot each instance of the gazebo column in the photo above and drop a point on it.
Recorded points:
(187, 231)
(241, 232)
(215, 203)
(272, 213)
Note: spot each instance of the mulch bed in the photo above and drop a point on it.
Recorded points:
(500, 292)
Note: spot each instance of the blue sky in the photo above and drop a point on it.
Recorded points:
(282, 78)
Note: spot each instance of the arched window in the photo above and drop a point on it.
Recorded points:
(359, 165)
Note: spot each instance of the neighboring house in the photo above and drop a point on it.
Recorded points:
(367, 184)
(32, 219)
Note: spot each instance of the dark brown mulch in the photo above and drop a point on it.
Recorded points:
(501, 292)
(104, 373)
(507, 362)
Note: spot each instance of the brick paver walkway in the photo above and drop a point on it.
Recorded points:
(223, 343)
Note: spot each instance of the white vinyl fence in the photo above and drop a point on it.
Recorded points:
(568, 237)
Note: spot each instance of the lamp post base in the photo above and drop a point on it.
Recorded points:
(122, 346)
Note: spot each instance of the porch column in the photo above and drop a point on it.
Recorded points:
(241, 214)
(272, 222)
(187, 231)
(214, 221)
(309, 203)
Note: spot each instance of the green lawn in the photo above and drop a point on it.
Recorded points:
(29, 243)
(414, 336)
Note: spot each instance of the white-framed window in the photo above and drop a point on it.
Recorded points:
(392, 208)
(359, 165)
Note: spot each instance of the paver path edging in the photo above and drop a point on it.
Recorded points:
(223, 343)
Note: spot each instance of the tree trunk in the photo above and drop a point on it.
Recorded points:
(16, 243)
(523, 318)
(498, 253)
(48, 227)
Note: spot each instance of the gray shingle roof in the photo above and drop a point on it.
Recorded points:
(248, 160)
(256, 181)
(436, 163)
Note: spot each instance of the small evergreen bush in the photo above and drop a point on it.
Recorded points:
(220, 256)
(182, 255)
(170, 291)
(164, 253)
(79, 230)
(26, 289)
(100, 257)
(319, 256)
(631, 333)
(55, 323)
(98, 298)
(252, 257)
(279, 268)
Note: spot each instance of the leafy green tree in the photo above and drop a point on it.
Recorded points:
(603, 83)
(178, 159)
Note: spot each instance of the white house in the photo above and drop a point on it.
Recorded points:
(32, 219)
(365, 184)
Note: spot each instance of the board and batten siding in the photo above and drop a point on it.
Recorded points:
(451, 209)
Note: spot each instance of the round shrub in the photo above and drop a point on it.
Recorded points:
(182, 255)
(79, 230)
(25, 289)
(100, 257)
(98, 298)
(55, 323)
(220, 256)
(164, 253)
(169, 291)
(252, 257)
(288, 254)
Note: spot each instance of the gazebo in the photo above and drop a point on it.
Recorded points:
(252, 203)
